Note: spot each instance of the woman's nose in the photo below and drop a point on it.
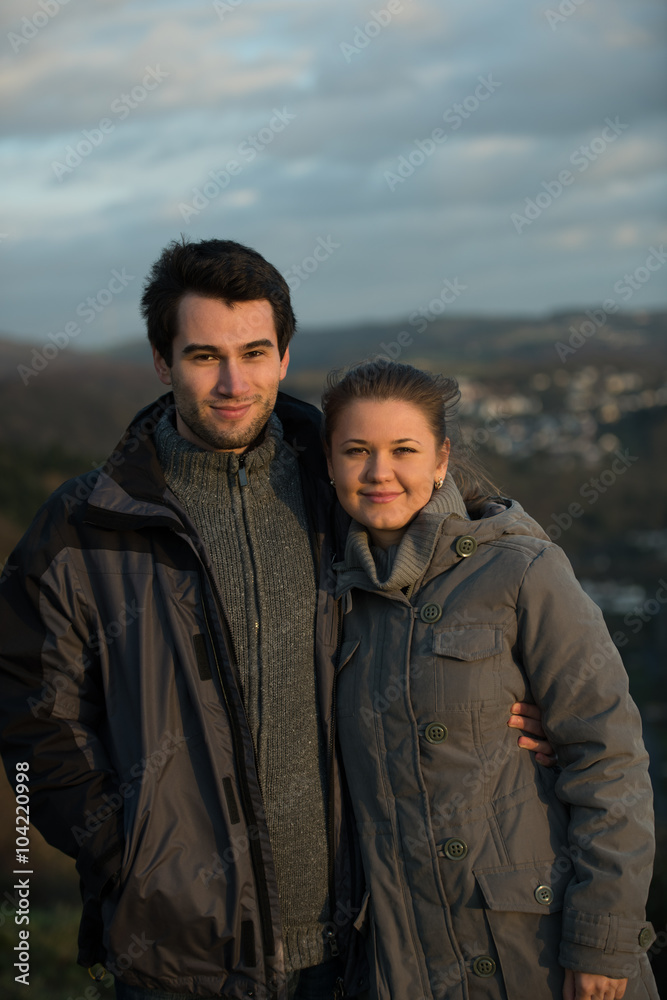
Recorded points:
(378, 469)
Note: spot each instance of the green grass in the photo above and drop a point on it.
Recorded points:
(54, 974)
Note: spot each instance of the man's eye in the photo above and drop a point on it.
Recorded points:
(255, 354)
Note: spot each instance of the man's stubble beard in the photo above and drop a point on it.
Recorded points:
(192, 414)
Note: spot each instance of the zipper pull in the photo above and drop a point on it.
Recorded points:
(243, 475)
(330, 938)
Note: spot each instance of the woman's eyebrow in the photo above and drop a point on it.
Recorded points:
(396, 441)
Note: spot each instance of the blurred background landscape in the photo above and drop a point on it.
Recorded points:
(551, 432)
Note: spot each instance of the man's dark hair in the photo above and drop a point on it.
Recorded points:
(216, 269)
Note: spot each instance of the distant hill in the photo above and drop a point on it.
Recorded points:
(471, 342)
(82, 401)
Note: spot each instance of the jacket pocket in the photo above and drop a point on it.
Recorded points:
(346, 685)
(523, 912)
(516, 887)
(467, 665)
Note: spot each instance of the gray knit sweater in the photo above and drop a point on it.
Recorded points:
(250, 513)
(404, 564)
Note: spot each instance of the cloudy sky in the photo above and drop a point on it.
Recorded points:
(516, 147)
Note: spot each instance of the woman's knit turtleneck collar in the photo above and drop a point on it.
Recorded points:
(400, 565)
(190, 469)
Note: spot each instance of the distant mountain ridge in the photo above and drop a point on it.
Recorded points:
(463, 339)
(81, 401)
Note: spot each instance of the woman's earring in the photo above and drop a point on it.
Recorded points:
(332, 482)
(438, 483)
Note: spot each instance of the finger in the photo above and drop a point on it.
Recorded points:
(545, 760)
(568, 985)
(530, 725)
(537, 746)
(526, 709)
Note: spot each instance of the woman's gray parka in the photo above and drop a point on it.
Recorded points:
(488, 874)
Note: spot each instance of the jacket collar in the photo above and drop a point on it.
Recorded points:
(444, 534)
(131, 487)
(405, 563)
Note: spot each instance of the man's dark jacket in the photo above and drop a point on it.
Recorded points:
(120, 691)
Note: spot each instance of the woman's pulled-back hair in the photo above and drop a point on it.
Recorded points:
(435, 395)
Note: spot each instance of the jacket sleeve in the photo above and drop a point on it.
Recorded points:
(578, 680)
(52, 706)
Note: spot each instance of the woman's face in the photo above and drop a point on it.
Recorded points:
(384, 459)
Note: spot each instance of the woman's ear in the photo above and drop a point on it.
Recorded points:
(444, 459)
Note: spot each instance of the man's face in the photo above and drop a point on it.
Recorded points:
(225, 371)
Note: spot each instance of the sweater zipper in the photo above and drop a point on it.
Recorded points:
(257, 859)
(330, 934)
(242, 474)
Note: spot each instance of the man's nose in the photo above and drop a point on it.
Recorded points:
(231, 380)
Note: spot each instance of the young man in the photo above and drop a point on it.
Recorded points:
(170, 643)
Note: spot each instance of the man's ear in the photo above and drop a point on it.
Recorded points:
(284, 363)
(161, 367)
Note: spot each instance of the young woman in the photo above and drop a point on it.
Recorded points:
(488, 876)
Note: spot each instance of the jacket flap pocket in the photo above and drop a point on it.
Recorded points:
(534, 888)
(347, 650)
(468, 643)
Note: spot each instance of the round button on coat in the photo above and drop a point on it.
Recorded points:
(645, 937)
(484, 966)
(430, 612)
(435, 732)
(455, 849)
(544, 894)
(466, 546)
